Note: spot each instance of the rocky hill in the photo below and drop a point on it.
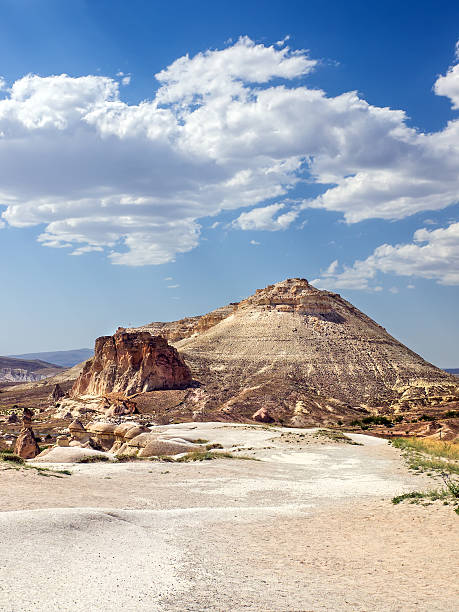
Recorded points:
(289, 353)
(295, 353)
(22, 370)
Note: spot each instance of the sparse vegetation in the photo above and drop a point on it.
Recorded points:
(449, 494)
(209, 455)
(12, 461)
(204, 455)
(435, 448)
(374, 420)
(94, 459)
(336, 436)
(9, 457)
(417, 452)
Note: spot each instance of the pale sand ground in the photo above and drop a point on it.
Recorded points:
(310, 527)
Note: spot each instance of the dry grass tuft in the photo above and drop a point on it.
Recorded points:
(428, 446)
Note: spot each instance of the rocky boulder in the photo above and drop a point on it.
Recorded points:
(26, 445)
(56, 394)
(131, 363)
(263, 416)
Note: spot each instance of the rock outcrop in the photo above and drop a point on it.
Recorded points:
(26, 444)
(57, 393)
(130, 363)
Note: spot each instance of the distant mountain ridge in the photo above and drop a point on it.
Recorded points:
(64, 359)
(452, 371)
(22, 370)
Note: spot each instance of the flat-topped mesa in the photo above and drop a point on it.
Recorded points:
(131, 363)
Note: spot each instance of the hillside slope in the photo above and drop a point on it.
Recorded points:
(23, 370)
(301, 354)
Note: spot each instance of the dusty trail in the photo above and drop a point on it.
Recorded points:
(309, 527)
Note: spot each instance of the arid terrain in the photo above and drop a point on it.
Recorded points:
(309, 526)
(235, 461)
(25, 370)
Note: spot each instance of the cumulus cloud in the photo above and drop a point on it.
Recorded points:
(226, 129)
(433, 254)
(265, 218)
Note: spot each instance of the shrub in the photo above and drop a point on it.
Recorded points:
(94, 459)
(11, 457)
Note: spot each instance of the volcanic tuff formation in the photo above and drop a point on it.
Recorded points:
(131, 363)
(301, 354)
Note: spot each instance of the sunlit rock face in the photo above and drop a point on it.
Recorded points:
(302, 356)
(131, 363)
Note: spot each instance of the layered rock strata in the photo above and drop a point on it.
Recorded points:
(303, 357)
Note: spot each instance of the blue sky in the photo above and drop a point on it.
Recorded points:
(128, 198)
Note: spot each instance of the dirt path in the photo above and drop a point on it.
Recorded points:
(309, 527)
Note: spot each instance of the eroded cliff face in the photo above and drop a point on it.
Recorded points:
(131, 363)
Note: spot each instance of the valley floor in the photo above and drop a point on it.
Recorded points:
(308, 527)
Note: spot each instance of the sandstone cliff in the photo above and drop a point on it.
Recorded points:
(131, 363)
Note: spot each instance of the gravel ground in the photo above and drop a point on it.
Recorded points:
(308, 527)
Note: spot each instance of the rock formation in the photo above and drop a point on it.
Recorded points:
(263, 416)
(302, 355)
(131, 363)
(57, 393)
(26, 445)
(27, 416)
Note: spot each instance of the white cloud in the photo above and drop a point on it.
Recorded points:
(394, 290)
(255, 242)
(126, 79)
(433, 254)
(448, 85)
(411, 286)
(221, 133)
(173, 286)
(3, 84)
(168, 278)
(265, 218)
(86, 249)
